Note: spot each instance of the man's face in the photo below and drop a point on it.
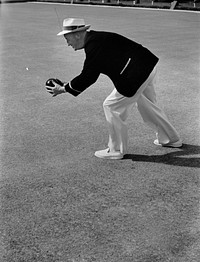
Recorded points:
(75, 40)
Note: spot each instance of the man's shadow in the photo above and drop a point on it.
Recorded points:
(184, 157)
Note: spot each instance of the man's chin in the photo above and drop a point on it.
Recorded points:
(76, 48)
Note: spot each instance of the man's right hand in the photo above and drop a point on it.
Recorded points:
(55, 87)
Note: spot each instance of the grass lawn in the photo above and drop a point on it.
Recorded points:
(58, 202)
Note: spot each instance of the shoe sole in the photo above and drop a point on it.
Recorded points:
(178, 145)
(174, 146)
(110, 157)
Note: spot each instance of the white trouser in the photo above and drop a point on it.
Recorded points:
(117, 107)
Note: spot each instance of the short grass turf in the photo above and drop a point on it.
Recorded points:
(58, 202)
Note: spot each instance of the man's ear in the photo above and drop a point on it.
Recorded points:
(80, 34)
(77, 35)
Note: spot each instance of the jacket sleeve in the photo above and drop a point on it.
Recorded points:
(90, 71)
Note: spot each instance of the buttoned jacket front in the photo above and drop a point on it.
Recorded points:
(127, 63)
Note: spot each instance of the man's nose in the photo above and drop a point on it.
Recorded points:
(67, 43)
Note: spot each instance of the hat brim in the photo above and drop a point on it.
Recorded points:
(64, 32)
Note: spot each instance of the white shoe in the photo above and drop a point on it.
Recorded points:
(106, 154)
(174, 144)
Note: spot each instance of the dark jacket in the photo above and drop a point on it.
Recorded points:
(127, 63)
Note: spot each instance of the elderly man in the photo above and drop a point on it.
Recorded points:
(132, 69)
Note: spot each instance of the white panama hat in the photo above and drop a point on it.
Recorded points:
(71, 25)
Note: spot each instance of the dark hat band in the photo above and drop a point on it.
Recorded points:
(71, 28)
